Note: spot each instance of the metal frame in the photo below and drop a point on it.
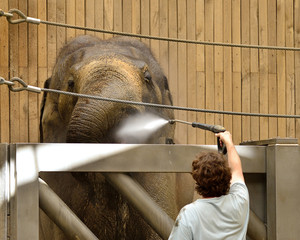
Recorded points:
(27, 160)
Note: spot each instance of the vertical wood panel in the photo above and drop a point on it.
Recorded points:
(297, 65)
(118, 15)
(90, 15)
(182, 71)
(33, 108)
(227, 65)
(209, 67)
(14, 103)
(173, 54)
(163, 32)
(136, 16)
(51, 37)
(254, 69)
(4, 72)
(200, 68)
(71, 18)
(145, 20)
(108, 16)
(191, 69)
(263, 68)
(272, 69)
(99, 17)
(236, 72)
(245, 22)
(154, 27)
(281, 67)
(219, 58)
(79, 16)
(23, 73)
(290, 68)
(60, 31)
(127, 15)
(42, 47)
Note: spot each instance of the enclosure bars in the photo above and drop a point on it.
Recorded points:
(49, 157)
(62, 215)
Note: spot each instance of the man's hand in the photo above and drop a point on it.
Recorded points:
(233, 158)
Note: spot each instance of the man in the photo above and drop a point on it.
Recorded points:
(222, 211)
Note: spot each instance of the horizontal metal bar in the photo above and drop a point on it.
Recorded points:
(130, 157)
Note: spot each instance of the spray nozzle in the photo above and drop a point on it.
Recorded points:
(212, 128)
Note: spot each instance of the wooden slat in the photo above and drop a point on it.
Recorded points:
(108, 16)
(118, 15)
(23, 73)
(42, 48)
(99, 17)
(154, 27)
(14, 71)
(236, 72)
(163, 32)
(227, 65)
(33, 110)
(79, 16)
(281, 67)
(90, 15)
(263, 65)
(127, 15)
(60, 31)
(245, 22)
(51, 37)
(136, 16)
(219, 59)
(4, 72)
(145, 19)
(297, 65)
(71, 18)
(254, 61)
(191, 69)
(182, 71)
(290, 67)
(272, 69)
(209, 67)
(173, 54)
(200, 68)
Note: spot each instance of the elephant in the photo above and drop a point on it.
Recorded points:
(120, 68)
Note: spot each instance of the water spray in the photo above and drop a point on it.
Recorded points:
(213, 128)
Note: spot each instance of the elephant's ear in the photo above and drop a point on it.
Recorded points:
(46, 85)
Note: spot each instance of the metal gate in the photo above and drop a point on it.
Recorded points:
(271, 172)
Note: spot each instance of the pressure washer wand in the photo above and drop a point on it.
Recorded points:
(212, 128)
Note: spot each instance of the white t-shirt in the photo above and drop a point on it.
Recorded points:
(224, 217)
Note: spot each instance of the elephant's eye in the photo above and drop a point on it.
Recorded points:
(147, 76)
(71, 83)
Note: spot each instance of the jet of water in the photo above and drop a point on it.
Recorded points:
(138, 128)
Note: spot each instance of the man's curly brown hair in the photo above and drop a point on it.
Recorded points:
(212, 174)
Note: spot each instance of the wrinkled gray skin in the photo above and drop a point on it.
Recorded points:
(120, 68)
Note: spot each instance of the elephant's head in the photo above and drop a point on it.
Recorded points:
(119, 68)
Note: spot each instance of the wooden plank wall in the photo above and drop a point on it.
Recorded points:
(221, 78)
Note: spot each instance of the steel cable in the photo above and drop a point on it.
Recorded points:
(24, 18)
(24, 86)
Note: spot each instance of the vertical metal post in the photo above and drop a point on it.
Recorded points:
(24, 193)
(283, 195)
(4, 186)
